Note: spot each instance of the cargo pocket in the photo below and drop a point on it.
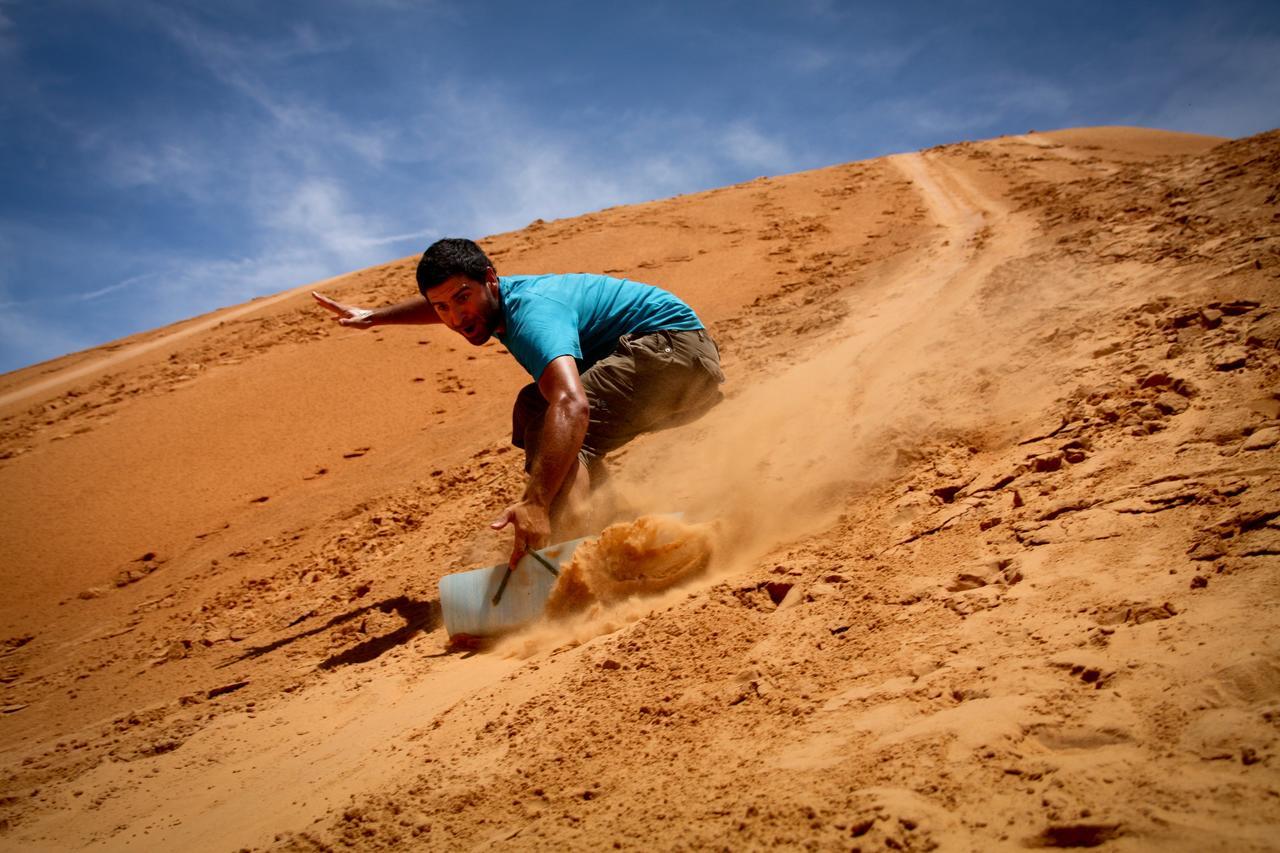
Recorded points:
(652, 350)
(712, 368)
(702, 388)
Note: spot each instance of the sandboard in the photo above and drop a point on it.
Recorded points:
(467, 598)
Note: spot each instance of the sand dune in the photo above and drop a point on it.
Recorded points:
(998, 529)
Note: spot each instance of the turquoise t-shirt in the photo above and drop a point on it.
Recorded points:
(582, 315)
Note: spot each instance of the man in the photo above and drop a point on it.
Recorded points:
(610, 359)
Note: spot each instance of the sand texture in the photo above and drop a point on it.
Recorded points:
(995, 492)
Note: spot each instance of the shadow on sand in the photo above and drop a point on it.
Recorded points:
(420, 617)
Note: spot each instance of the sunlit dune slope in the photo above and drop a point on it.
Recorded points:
(994, 498)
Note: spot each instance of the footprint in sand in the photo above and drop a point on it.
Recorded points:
(357, 453)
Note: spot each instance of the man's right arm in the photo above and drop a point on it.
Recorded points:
(414, 311)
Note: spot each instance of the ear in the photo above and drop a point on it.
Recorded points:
(490, 275)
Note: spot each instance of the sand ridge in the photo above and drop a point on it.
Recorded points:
(997, 467)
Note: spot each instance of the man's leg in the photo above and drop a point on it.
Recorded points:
(650, 382)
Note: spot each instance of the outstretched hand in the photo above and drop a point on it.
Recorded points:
(348, 315)
(532, 524)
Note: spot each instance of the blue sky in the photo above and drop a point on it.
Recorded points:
(162, 159)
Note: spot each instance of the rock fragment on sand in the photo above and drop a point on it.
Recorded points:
(1261, 543)
(991, 480)
(1265, 333)
(1209, 548)
(1231, 358)
(966, 581)
(1180, 319)
(216, 634)
(1262, 439)
(175, 650)
(226, 688)
(946, 470)
(1150, 613)
(1236, 307)
(1107, 349)
(1171, 404)
(1075, 835)
(1211, 318)
(1046, 462)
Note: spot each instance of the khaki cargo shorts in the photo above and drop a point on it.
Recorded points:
(652, 381)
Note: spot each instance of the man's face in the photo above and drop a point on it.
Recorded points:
(470, 308)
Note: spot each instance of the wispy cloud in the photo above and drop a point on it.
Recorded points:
(807, 58)
(132, 281)
(317, 212)
(540, 173)
(243, 64)
(129, 163)
(882, 59)
(747, 146)
(393, 239)
(8, 35)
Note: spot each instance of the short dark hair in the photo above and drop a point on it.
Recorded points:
(451, 256)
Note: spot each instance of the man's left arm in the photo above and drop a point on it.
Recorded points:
(563, 429)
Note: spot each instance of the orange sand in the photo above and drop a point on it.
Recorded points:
(998, 477)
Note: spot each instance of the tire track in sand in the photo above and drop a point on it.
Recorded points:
(977, 234)
(930, 324)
